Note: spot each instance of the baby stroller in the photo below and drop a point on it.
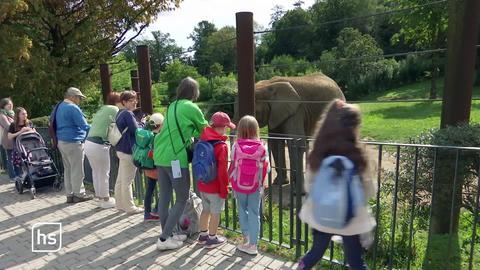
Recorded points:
(36, 166)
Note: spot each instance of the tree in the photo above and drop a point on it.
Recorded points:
(163, 50)
(175, 72)
(199, 37)
(69, 40)
(423, 27)
(221, 47)
(329, 10)
(15, 48)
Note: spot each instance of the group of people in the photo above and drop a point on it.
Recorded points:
(337, 135)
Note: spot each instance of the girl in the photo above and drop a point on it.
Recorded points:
(20, 125)
(247, 179)
(6, 119)
(338, 135)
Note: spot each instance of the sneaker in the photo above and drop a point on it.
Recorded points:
(69, 199)
(149, 217)
(179, 237)
(82, 198)
(215, 241)
(134, 210)
(169, 243)
(202, 239)
(249, 249)
(155, 214)
(107, 204)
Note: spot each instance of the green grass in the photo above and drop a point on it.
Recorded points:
(399, 121)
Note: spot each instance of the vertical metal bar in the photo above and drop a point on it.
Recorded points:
(106, 81)
(298, 193)
(412, 215)
(291, 222)
(234, 214)
(144, 76)
(432, 199)
(475, 220)
(306, 237)
(331, 252)
(280, 212)
(394, 219)
(245, 63)
(452, 210)
(377, 206)
(270, 198)
(227, 212)
(134, 81)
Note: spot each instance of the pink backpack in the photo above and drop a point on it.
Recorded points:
(248, 165)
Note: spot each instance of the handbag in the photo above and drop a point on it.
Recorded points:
(52, 127)
(113, 133)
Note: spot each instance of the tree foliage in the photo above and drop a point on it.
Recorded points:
(199, 36)
(162, 48)
(69, 40)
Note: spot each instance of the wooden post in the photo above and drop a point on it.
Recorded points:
(245, 64)
(144, 76)
(463, 26)
(106, 81)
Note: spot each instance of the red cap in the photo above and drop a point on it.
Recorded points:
(221, 119)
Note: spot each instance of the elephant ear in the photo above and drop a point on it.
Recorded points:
(280, 109)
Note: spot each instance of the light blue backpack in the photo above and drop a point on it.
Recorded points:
(337, 192)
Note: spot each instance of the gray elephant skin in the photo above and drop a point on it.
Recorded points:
(280, 104)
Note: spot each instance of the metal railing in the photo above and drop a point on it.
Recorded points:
(426, 207)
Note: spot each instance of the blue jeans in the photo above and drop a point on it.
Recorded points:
(10, 168)
(249, 214)
(151, 183)
(351, 247)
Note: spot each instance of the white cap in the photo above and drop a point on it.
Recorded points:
(157, 118)
(72, 92)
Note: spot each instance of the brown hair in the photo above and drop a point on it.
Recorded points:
(248, 128)
(4, 102)
(16, 120)
(338, 135)
(113, 98)
(127, 95)
(188, 89)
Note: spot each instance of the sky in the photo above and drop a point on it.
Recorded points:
(180, 22)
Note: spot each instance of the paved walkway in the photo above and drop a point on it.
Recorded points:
(95, 238)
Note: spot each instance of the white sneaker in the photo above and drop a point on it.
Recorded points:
(107, 204)
(135, 210)
(249, 249)
(179, 237)
(169, 243)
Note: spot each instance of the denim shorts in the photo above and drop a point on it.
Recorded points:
(212, 203)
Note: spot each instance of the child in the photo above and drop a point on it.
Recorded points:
(154, 123)
(338, 136)
(247, 174)
(214, 192)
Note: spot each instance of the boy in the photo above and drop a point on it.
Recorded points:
(215, 192)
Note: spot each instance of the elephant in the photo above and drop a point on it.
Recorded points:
(295, 119)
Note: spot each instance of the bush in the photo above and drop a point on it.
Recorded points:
(175, 72)
(40, 121)
(285, 65)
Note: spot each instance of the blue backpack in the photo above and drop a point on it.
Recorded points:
(204, 164)
(337, 192)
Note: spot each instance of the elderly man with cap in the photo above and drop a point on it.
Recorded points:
(71, 131)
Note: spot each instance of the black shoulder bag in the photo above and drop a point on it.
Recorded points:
(187, 148)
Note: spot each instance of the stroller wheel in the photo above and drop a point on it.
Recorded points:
(33, 193)
(19, 186)
(57, 185)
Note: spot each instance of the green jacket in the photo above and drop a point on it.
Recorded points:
(191, 122)
(101, 120)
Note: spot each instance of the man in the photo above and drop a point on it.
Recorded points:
(71, 131)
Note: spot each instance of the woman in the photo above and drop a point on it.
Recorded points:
(184, 120)
(97, 149)
(20, 125)
(6, 146)
(340, 128)
(127, 124)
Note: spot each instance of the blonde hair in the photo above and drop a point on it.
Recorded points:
(248, 128)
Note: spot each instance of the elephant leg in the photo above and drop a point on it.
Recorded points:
(296, 153)
(277, 147)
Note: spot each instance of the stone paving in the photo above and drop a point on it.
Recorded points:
(95, 238)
